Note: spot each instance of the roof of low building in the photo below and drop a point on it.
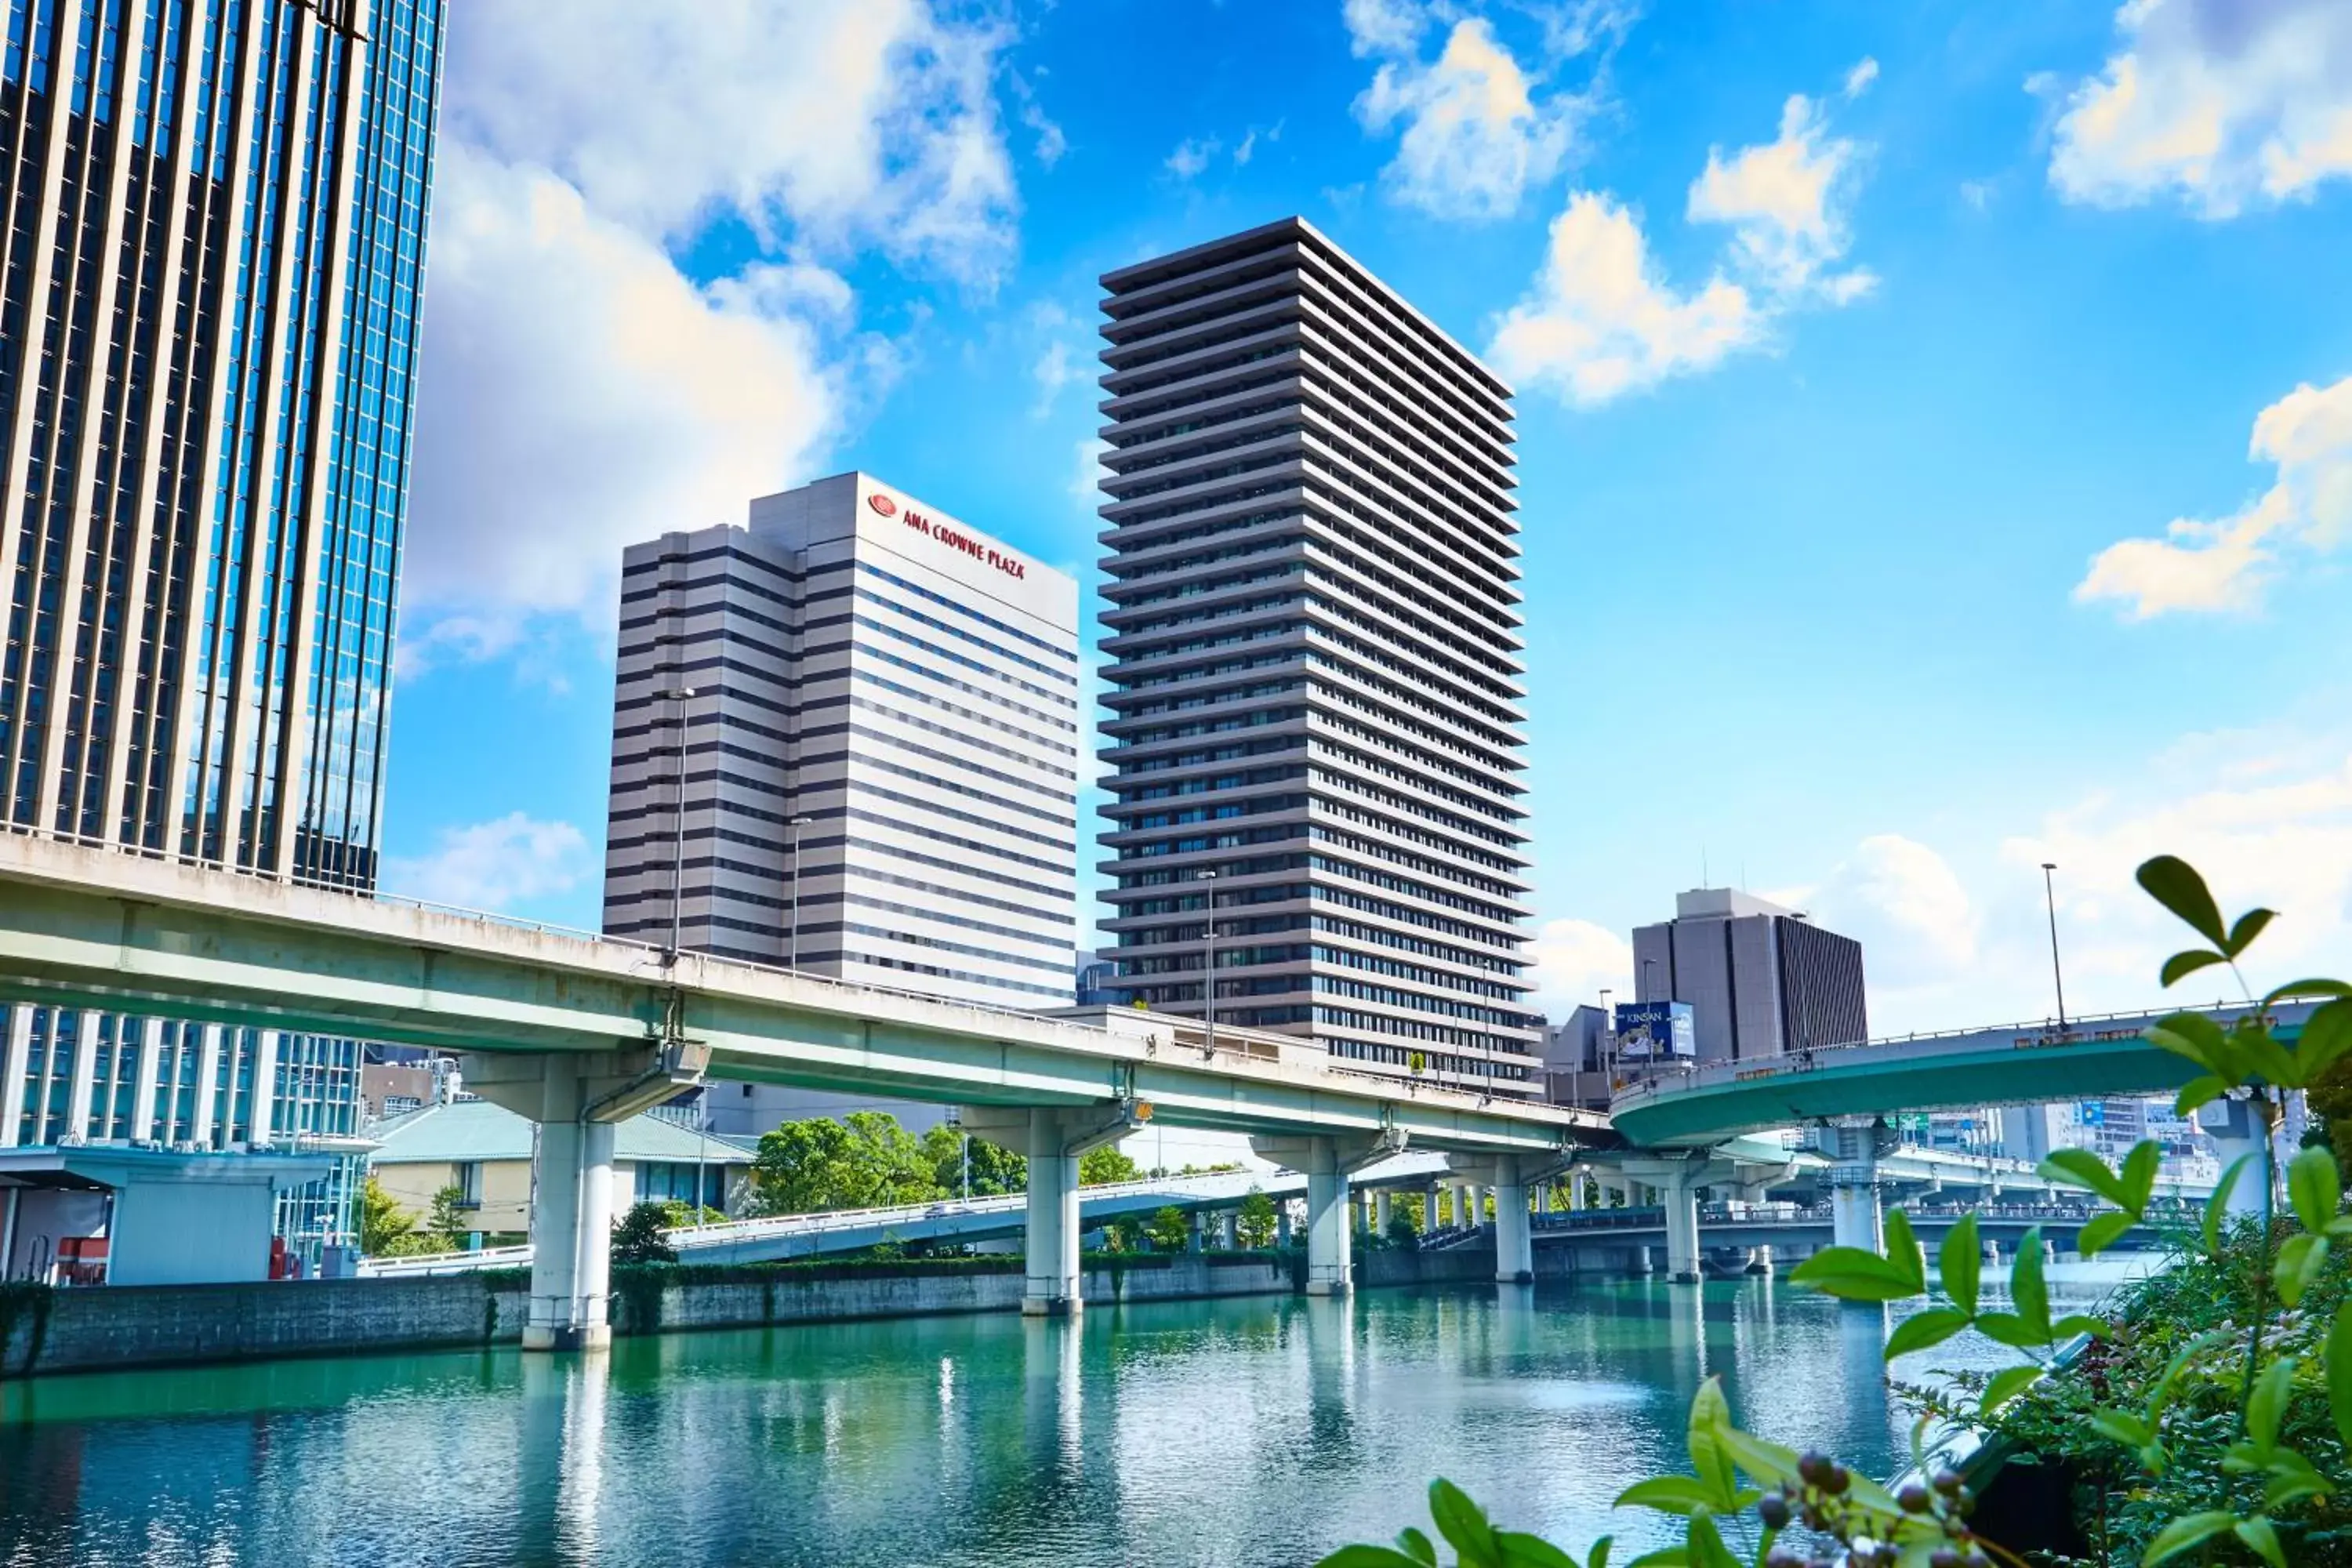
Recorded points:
(476, 1129)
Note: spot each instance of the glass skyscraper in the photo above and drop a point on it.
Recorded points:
(215, 216)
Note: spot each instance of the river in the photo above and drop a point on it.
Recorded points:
(1249, 1432)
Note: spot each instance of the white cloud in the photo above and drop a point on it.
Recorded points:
(1858, 79)
(1906, 906)
(1476, 136)
(2225, 564)
(1385, 27)
(1572, 960)
(493, 865)
(2218, 102)
(1191, 156)
(1600, 322)
(1784, 202)
(578, 391)
(1086, 472)
(844, 122)
(1977, 194)
(581, 394)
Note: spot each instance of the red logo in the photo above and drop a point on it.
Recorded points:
(882, 504)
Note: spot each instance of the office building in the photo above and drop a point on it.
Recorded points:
(208, 313)
(1314, 642)
(1761, 979)
(876, 771)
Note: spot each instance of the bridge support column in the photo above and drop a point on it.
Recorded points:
(1515, 1255)
(1330, 1244)
(1226, 1229)
(1381, 1212)
(1193, 1231)
(1053, 1138)
(1854, 1219)
(2237, 1133)
(1677, 1182)
(577, 1099)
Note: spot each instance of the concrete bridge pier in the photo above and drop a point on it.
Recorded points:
(577, 1100)
(1515, 1255)
(2237, 1131)
(1678, 1181)
(1053, 1138)
(1855, 1218)
(1381, 1212)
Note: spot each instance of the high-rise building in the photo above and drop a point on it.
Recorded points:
(1315, 636)
(208, 315)
(879, 767)
(1761, 979)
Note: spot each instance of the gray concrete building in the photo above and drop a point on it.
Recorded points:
(1315, 676)
(875, 777)
(1761, 979)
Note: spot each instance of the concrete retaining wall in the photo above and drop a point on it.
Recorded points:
(121, 1327)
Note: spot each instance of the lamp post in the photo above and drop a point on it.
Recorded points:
(1209, 967)
(2057, 976)
(680, 695)
(1607, 1042)
(793, 848)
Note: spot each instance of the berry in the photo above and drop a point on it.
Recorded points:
(1915, 1498)
(1947, 1481)
(1837, 1481)
(1774, 1510)
(1815, 1468)
(1943, 1557)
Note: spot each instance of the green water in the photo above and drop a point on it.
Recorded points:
(1261, 1432)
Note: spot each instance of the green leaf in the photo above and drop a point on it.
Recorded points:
(2314, 1188)
(2139, 1173)
(2300, 1259)
(2027, 1292)
(1664, 1557)
(1706, 1547)
(1853, 1273)
(1920, 1329)
(2103, 1232)
(2197, 1091)
(1960, 1263)
(2326, 1036)
(2174, 883)
(2066, 1328)
(2190, 1530)
(1463, 1523)
(2081, 1168)
(2257, 1533)
(1903, 1250)
(1682, 1495)
(2339, 1372)
(2265, 1058)
(2190, 962)
(2122, 1428)
(1599, 1557)
(1769, 1463)
(1710, 1415)
(1521, 1550)
(2161, 1395)
(2216, 1207)
(2304, 991)
(2267, 1404)
(2248, 926)
(2008, 1328)
(2004, 1386)
(1416, 1545)
(1369, 1557)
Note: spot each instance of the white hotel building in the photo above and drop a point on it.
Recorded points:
(880, 751)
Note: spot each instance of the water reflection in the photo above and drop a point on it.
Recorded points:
(1261, 1432)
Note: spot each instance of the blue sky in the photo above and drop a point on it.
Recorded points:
(1936, 420)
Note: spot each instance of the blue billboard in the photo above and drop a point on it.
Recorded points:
(1647, 1030)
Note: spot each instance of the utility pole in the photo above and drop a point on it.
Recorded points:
(680, 695)
(1209, 970)
(2050, 893)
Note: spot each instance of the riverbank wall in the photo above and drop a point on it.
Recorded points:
(121, 1328)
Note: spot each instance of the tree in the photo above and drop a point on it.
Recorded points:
(385, 1229)
(1254, 1226)
(1168, 1229)
(1104, 1163)
(446, 1223)
(995, 1169)
(638, 1234)
(2330, 1101)
(866, 1161)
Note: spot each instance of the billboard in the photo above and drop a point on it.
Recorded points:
(1649, 1030)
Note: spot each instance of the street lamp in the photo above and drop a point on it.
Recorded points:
(1209, 968)
(2049, 894)
(793, 848)
(680, 695)
(1608, 1040)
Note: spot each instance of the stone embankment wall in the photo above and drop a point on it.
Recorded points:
(115, 1329)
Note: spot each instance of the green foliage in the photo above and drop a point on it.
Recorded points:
(995, 1169)
(1254, 1223)
(1104, 1163)
(638, 1234)
(446, 1223)
(1169, 1229)
(864, 1161)
(387, 1230)
(2186, 1443)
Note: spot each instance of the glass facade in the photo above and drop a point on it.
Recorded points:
(214, 247)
